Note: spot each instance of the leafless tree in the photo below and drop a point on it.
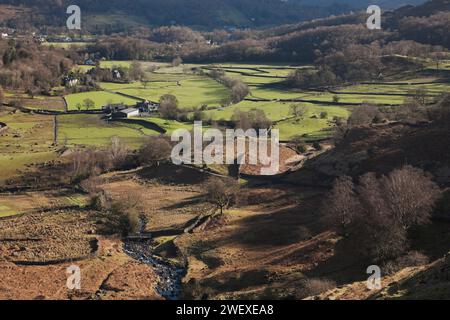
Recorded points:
(410, 195)
(420, 95)
(117, 152)
(154, 150)
(342, 204)
(177, 61)
(221, 192)
(378, 212)
(298, 110)
(168, 106)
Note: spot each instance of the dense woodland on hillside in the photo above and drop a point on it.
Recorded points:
(217, 13)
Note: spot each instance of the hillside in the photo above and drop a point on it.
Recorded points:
(414, 283)
(380, 149)
(218, 13)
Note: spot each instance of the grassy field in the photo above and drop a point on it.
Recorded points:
(92, 130)
(100, 98)
(191, 90)
(27, 140)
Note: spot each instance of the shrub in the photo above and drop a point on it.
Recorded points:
(317, 146)
(313, 287)
(412, 259)
(123, 216)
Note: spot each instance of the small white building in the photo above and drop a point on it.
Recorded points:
(127, 113)
(4, 35)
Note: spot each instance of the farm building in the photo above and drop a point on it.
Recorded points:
(114, 107)
(69, 81)
(126, 113)
(147, 106)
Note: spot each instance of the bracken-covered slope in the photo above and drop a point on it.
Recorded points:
(381, 149)
(430, 282)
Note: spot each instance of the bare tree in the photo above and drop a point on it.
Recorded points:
(145, 80)
(297, 110)
(117, 152)
(221, 192)
(168, 106)
(176, 62)
(342, 204)
(377, 213)
(420, 95)
(154, 150)
(410, 195)
(135, 71)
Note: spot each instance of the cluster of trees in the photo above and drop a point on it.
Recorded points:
(239, 90)
(27, 66)
(124, 48)
(378, 212)
(252, 119)
(91, 162)
(419, 107)
(305, 79)
(168, 108)
(177, 34)
(134, 72)
(427, 29)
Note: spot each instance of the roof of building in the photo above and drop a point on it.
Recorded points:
(129, 110)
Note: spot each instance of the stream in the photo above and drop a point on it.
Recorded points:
(170, 276)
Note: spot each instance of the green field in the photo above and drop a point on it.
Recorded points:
(267, 94)
(92, 130)
(100, 98)
(6, 211)
(191, 91)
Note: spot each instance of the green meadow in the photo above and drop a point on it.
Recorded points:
(268, 93)
(100, 98)
(191, 91)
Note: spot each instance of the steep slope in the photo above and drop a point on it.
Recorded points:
(430, 282)
(380, 149)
